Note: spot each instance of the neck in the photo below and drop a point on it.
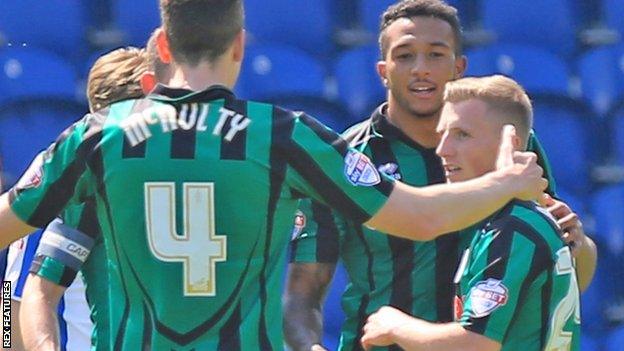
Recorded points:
(421, 130)
(198, 77)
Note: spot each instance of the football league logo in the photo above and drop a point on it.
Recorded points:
(359, 169)
(487, 296)
(33, 175)
(390, 169)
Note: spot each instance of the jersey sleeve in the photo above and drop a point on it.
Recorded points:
(321, 165)
(535, 146)
(57, 176)
(61, 253)
(504, 263)
(316, 234)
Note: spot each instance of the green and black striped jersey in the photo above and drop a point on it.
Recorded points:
(519, 285)
(194, 194)
(416, 277)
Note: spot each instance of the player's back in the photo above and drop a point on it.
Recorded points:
(196, 192)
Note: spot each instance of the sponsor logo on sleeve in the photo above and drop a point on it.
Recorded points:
(33, 175)
(359, 169)
(487, 296)
(300, 223)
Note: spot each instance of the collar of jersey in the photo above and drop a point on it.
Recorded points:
(381, 127)
(165, 93)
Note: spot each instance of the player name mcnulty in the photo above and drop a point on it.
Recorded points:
(6, 314)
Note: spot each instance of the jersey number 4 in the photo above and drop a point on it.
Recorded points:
(198, 248)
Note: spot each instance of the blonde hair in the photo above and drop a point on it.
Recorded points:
(116, 76)
(501, 94)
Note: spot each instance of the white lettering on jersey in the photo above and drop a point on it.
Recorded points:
(237, 124)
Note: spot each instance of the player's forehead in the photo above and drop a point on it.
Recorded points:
(465, 114)
(420, 30)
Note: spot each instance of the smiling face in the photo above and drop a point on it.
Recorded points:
(471, 136)
(420, 58)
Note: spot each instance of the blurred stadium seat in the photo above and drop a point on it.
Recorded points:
(614, 14)
(548, 24)
(602, 77)
(308, 25)
(370, 12)
(55, 25)
(539, 71)
(564, 132)
(137, 19)
(615, 340)
(272, 71)
(616, 124)
(41, 121)
(28, 73)
(359, 86)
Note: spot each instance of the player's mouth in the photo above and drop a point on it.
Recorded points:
(451, 170)
(423, 90)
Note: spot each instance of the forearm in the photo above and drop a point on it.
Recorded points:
(422, 335)
(586, 260)
(441, 209)
(303, 324)
(38, 315)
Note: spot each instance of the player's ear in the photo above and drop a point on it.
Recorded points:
(162, 46)
(381, 71)
(239, 46)
(148, 82)
(517, 143)
(460, 66)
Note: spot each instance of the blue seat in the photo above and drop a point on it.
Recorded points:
(55, 25)
(537, 70)
(614, 13)
(615, 340)
(305, 24)
(370, 12)
(546, 23)
(137, 19)
(333, 316)
(272, 71)
(602, 77)
(608, 209)
(41, 122)
(563, 131)
(616, 125)
(359, 86)
(27, 73)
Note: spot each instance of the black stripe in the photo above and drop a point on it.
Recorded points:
(137, 151)
(147, 329)
(362, 316)
(183, 141)
(89, 223)
(68, 276)
(236, 149)
(447, 248)
(198, 331)
(229, 335)
(328, 241)
(59, 192)
(498, 257)
(339, 144)
(402, 250)
(281, 131)
(369, 257)
(546, 296)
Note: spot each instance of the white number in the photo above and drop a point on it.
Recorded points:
(199, 248)
(559, 339)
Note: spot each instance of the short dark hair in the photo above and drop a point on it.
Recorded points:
(201, 29)
(421, 8)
